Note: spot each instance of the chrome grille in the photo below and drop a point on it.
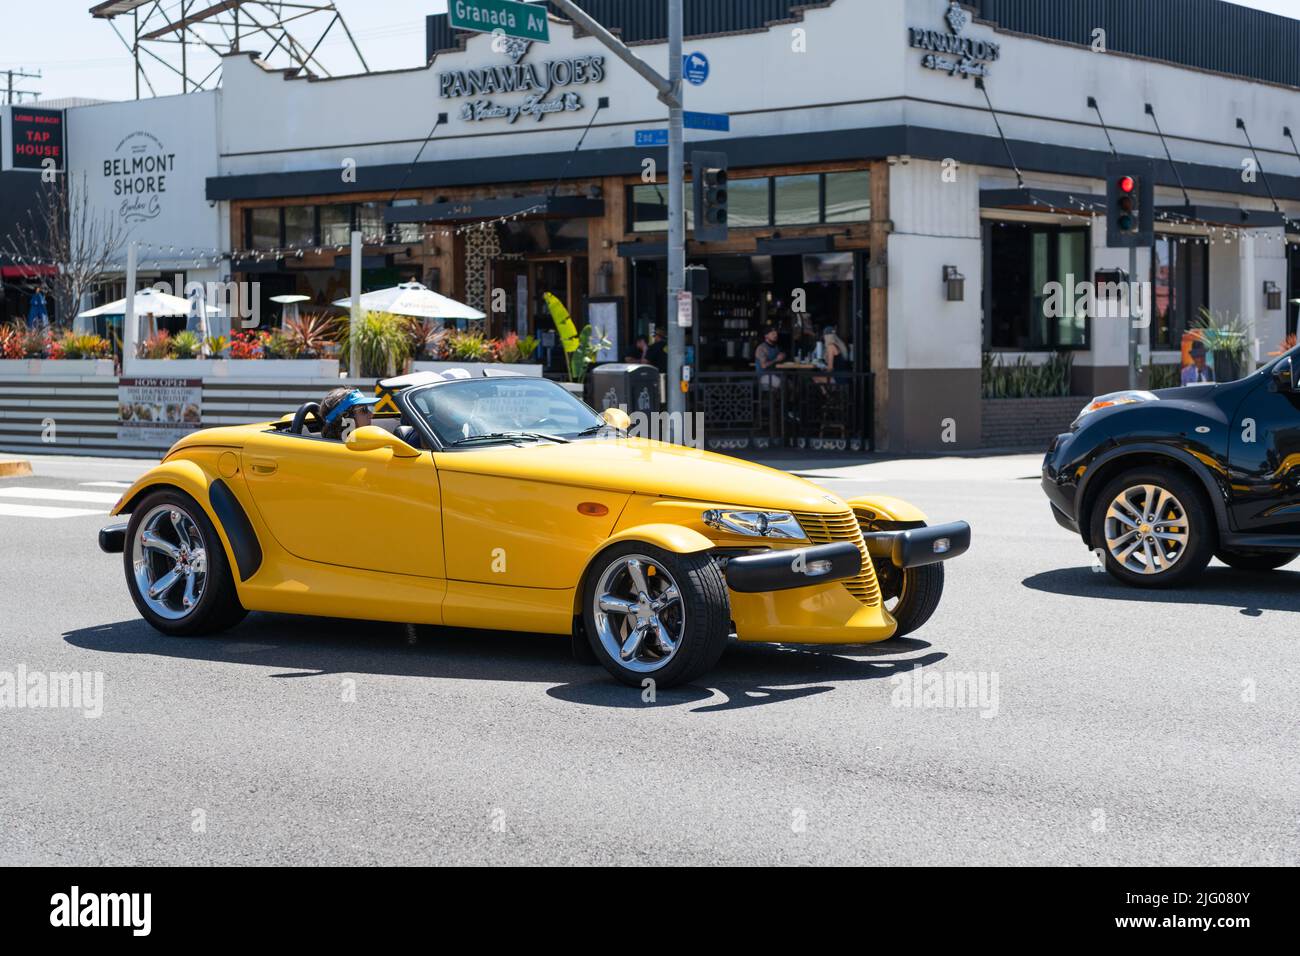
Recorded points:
(843, 526)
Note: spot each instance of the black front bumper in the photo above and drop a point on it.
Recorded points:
(782, 570)
(112, 540)
(917, 547)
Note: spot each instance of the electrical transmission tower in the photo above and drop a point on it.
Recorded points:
(187, 38)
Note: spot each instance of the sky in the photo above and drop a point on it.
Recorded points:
(79, 56)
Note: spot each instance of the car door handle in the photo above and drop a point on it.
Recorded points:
(263, 466)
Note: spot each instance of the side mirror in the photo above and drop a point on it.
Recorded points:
(372, 438)
(1284, 375)
(616, 418)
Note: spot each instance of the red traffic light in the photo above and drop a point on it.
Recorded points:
(1127, 184)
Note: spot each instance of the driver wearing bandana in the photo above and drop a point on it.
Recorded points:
(344, 410)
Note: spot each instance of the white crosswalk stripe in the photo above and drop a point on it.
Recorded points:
(24, 501)
(105, 484)
(41, 511)
(60, 494)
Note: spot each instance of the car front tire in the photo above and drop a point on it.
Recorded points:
(653, 615)
(911, 595)
(1154, 528)
(176, 567)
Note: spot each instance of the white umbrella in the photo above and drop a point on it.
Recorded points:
(147, 302)
(414, 299)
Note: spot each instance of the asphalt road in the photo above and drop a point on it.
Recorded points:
(1126, 728)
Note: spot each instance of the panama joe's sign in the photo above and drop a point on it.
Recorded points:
(548, 85)
(953, 51)
(137, 172)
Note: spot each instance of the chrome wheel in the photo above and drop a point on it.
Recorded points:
(638, 612)
(1146, 529)
(169, 560)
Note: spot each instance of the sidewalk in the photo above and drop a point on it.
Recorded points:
(976, 466)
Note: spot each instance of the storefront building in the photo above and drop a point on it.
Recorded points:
(884, 208)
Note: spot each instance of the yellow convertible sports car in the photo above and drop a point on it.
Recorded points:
(503, 502)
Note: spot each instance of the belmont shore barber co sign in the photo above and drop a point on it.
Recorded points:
(951, 51)
(138, 171)
(548, 85)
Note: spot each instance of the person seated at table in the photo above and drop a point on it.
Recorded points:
(657, 353)
(766, 357)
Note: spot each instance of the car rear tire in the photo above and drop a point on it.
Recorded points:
(176, 567)
(1257, 560)
(1154, 528)
(915, 593)
(651, 614)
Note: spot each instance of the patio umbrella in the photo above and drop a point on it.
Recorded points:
(416, 300)
(147, 302)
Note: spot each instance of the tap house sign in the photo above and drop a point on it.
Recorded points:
(951, 50)
(548, 85)
(137, 174)
(37, 136)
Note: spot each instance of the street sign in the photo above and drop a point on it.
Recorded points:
(710, 122)
(524, 21)
(695, 69)
(685, 309)
(652, 137)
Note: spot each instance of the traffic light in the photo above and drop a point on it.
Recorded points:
(709, 171)
(1130, 203)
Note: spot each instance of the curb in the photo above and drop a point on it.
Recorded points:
(14, 468)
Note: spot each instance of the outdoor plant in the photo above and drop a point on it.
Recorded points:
(156, 346)
(1024, 378)
(214, 345)
(36, 343)
(466, 346)
(307, 336)
(1163, 376)
(1222, 333)
(514, 349)
(186, 345)
(83, 345)
(11, 341)
(248, 345)
(383, 341)
(590, 341)
(1287, 345)
(432, 342)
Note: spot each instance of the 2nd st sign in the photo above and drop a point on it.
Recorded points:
(523, 21)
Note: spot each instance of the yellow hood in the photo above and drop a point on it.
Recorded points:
(648, 467)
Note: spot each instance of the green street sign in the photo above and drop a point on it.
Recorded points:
(524, 21)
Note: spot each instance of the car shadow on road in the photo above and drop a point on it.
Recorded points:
(298, 647)
(1252, 592)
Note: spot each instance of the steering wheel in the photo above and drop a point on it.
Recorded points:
(300, 416)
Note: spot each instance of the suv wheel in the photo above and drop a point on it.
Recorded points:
(1154, 527)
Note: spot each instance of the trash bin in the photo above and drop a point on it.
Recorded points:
(630, 386)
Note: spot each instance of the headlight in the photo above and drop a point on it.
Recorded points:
(755, 524)
(1116, 398)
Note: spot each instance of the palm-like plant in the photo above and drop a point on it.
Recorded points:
(156, 346)
(186, 345)
(383, 341)
(307, 336)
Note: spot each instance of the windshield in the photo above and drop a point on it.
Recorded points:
(509, 408)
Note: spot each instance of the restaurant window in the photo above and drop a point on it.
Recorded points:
(264, 228)
(370, 220)
(404, 232)
(649, 208)
(1180, 288)
(1022, 262)
(749, 202)
(848, 196)
(335, 225)
(798, 200)
(300, 226)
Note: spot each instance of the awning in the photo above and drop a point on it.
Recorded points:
(1042, 200)
(566, 207)
(26, 272)
(1220, 216)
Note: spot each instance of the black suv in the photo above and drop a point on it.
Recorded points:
(1157, 483)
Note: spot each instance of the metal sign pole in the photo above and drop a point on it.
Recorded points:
(676, 213)
(1134, 333)
(354, 321)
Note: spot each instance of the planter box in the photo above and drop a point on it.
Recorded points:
(37, 368)
(1026, 422)
(476, 368)
(269, 370)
